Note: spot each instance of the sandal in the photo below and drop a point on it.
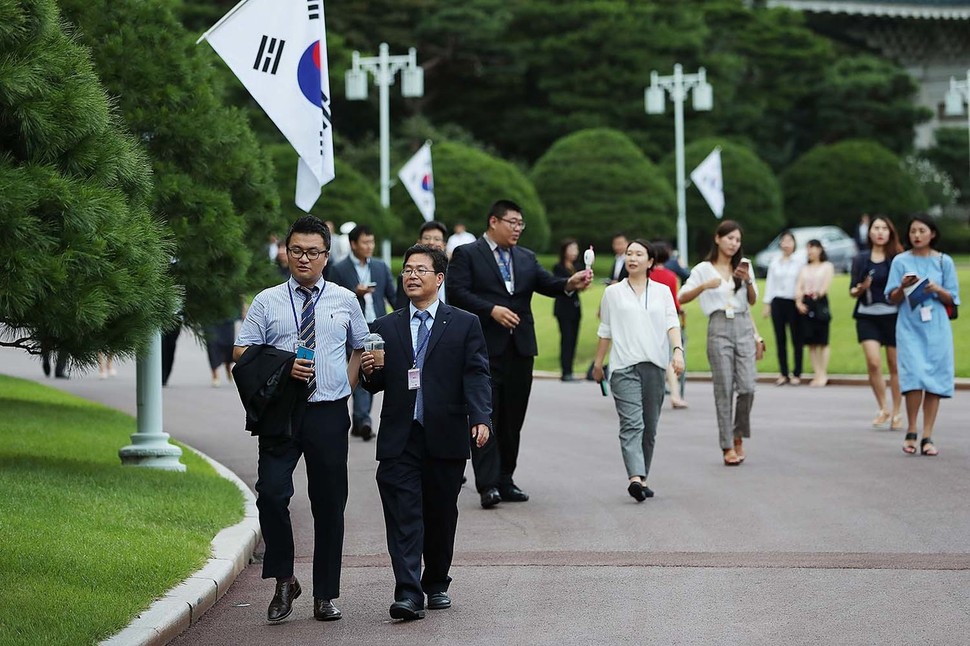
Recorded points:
(738, 449)
(731, 457)
(897, 424)
(678, 403)
(882, 420)
(910, 448)
(794, 381)
(926, 447)
(781, 381)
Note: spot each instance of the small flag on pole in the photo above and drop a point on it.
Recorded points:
(278, 50)
(418, 179)
(707, 177)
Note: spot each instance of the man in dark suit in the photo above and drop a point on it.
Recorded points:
(370, 279)
(433, 234)
(495, 279)
(619, 243)
(436, 385)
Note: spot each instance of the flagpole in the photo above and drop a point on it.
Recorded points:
(221, 20)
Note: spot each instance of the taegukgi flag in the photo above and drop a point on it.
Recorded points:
(418, 179)
(707, 178)
(278, 50)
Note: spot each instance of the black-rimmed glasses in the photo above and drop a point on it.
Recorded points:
(312, 254)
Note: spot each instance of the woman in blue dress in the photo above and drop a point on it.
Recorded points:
(924, 338)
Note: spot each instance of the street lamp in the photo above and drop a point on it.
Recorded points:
(384, 67)
(958, 93)
(654, 97)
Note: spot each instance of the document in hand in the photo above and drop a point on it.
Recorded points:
(916, 294)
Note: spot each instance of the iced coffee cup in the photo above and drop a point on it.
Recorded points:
(374, 343)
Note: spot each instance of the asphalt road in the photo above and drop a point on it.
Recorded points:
(827, 534)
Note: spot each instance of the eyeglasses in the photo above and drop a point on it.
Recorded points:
(311, 254)
(416, 271)
(515, 224)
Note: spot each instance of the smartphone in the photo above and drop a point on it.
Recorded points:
(604, 388)
(303, 352)
(746, 263)
(371, 284)
(909, 273)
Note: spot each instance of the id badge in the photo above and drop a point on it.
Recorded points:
(926, 314)
(414, 378)
(729, 313)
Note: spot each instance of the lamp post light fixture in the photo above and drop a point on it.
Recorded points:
(384, 67)
(956, 96)
(678, 86)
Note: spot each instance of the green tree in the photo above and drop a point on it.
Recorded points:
(836, 183)
(752, 195)
(214, 183)
(466, 182)
(595, 182)
(949, 154)
(85, 265)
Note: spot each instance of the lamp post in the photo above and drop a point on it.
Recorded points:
(678, 85)
(384, 67)
(956, 96)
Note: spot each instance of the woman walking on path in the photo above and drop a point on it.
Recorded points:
(727, 290)
(780, 305)
(875, 316)
(923, 333)
(566, 308)
(812, 302)
(639, 319)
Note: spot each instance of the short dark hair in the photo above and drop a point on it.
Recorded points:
(661, 250)
(439, 261)
(309, 224)
(822, 256)
(434, 224)
(618, 234)
(651, 252)
(500, 208)
(359, 230)
(930, 224)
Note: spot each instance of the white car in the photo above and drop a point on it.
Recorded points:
(839, 246)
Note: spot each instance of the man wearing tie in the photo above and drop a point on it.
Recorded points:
(495, 279)
(435, 378)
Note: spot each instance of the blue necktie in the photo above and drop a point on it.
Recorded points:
(422, 349)
(307, 330)
(503, 265)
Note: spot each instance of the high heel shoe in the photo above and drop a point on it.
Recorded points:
(926, 447)
(882, 420)
(897, 424)
(908, 448)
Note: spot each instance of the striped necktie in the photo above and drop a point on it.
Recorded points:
(422, 349)
(308, 331)
(503, 265)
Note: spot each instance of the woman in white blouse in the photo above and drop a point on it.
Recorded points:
(727, 290)
(779, 303)
(639, 319)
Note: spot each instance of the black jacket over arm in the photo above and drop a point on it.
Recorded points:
(475, 284)
(268, 392)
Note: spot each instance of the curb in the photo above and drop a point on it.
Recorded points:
(183, 605)
(960, 383)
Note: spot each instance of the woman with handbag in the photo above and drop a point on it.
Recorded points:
(875, 316)
(641, 324)
(923, 282)
(812, 303)
(725, 284)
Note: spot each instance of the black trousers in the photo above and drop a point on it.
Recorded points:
(320, 436)
(785, 315)
(419, 494)
(568, 338)
(169, 339)
(495, 462)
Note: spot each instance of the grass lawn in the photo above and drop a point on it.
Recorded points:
(847, 356)
(85, 543)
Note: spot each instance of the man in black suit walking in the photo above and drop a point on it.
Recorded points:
(495, 279)
(434, 373)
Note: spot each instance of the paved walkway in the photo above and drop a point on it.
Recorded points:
(827, 534)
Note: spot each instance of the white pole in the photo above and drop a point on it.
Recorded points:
(966, 90)
(677, 94)
(384, 80)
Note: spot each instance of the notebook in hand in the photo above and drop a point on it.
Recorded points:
(916, 294)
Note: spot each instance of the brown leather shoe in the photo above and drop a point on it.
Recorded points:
(324, 610)
(282, 604)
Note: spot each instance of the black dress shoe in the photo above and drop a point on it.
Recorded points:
(511, 493)
(366, 432)
(490, 498)
(324, 610)
(355, 431)
(636, 490)
(439, 601)
(407, 610)
(282, 604)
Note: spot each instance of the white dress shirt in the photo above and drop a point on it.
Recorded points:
(723, 298)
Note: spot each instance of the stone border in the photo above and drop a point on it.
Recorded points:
(183, 605)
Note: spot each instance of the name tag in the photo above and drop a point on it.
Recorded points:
(414, 379)
(926, 313)
(508, 286)
(729, 313)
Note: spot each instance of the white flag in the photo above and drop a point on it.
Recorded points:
(707, 177)
(418, 179)
(278, 50)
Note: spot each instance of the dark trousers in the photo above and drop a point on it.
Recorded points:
(419, 494)
(784, 314)
(169, 340)
(568, 338)
(320, 436)
(495, 462)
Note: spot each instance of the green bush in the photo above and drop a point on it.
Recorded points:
(596, 182)
(466, 182)
(752, 196)
(834, 184)
(950, 155)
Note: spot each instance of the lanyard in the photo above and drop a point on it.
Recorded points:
(296, 319)
(646, 292)
(422, 345)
